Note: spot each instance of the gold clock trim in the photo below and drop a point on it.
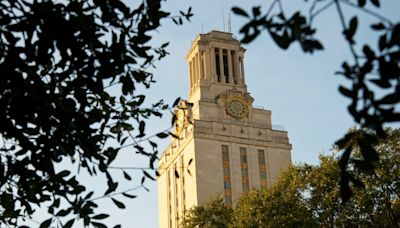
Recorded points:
(230, 108)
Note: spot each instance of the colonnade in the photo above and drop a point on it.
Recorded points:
(224, 66)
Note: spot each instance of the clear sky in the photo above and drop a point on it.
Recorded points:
(300, 89)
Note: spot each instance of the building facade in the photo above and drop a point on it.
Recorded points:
(224, 144)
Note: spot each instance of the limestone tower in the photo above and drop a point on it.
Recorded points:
(225, 145)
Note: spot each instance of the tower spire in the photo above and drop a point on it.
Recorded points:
(223, 20)
(229, 23)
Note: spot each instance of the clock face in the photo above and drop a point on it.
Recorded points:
(236, 107)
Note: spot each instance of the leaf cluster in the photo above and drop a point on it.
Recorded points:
(69, 75)
(373, 72)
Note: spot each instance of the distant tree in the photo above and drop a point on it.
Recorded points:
(308, 196)
(212, 214)
(70, 71)
(374, 71)
(280, 205)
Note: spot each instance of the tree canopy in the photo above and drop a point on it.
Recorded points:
(70, 73)
(373, 72)
(308, 196)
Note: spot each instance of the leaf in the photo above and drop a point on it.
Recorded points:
(256, 11)
(98, 225)
(101, 216)
(282, 41)
(69, 223)
(176, 102)
(176, 173)
(118, 203)
(148, 175)
(46, 223)
(352, 29)
(239, 11)
(346, 92)
(390, 99)
(378, 26)
(142, 125)
(190, 161)
(162, 135)
(382, 83)
(361, 3)
(63, 212)
(129, 195)
(126, 176)
(376, 3)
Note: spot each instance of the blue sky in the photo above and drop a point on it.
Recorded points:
(300, 90)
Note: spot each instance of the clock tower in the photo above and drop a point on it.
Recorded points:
(224, 144)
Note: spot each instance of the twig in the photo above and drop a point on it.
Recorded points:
(367, 11)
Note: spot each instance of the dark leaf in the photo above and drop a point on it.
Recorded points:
(382, 83)
(176, 173)
(378, 26)
(352, 29)
(129, 195)
(376, 2)
(176, 102)
(148, 175)
(346, 92)
(118, 203)
(127, 176)
(69, 223)
(46, 223)
(101, 216)
(390, 99)
(162, 135)
(98, 225)
(239, 11)
(361, 3)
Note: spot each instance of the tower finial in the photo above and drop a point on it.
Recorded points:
(223, 20)
(229, 22)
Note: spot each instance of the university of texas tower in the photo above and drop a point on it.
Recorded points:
(225, 145)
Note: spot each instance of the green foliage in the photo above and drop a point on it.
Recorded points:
(212, 214)
(69, 74)
(309, 196)
(281, 205)
(373, 70)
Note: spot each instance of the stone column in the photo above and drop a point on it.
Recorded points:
(221, 65)
(230, 70)
(236, 67)
(196, 75)
(206, 64)
(191, 74)
(212, 64)
(243, 78)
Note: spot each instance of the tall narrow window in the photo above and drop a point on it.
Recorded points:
(183, 185)
(244, 169)
(202, 64)
(217, 65)
(262, 168)
(169, 197)
(225, 62)
(176, 197)
(227, 176)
